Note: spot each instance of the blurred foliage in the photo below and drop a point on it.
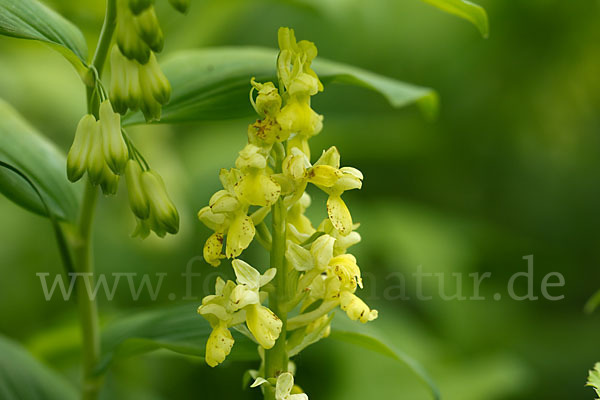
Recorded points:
(510, 168)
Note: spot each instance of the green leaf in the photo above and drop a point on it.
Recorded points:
(179, 329)
(30, 19)
(594, 379)
(213, 84)
(22, 377)
(465, 9)
(367, 337)
(41, 162)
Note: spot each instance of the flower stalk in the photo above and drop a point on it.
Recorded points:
(276, 359)
(82, 247)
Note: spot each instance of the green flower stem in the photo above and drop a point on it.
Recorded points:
(82, 247)
(276, 359)
(88, 310)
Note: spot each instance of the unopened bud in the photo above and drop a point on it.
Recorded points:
(137, 198)
(304, 85)
(161, 206)
(96, 163)
(110, 181)
(251, 157)
(130, 43)
(268, 101)
(142, 229)
(114, 146)
(125, 90)
(137, 6)
(152, 77)
(148, 28)
(80, 149)
(149, 106)
(180, 5)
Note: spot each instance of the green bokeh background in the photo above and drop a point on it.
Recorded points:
(510, 168)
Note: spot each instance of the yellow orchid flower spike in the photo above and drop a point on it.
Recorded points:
(288, 306)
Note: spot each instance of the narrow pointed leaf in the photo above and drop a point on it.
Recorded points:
(23, 148)
(22, 377)
(465, 9)
(213, 84)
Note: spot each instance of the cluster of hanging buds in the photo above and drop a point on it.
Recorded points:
(99, 149)
(102, 149)
(315, 273)
(137, 81)
(101, 146)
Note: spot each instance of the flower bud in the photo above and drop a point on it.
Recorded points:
(147, 27)
(142, 229)
(137, 198)
(303, 85)
(163, 214)
(300, 118)
(151, 76)
(110, 181)
(96, 163)
(264, 325)
(114, 147)
(125, 90)
(149, 106)
(130, 43)
(80, 149)
(268, 100)
(137, 6)
(118, 93)
(156, 226)
(180, 5)
(251, 157)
